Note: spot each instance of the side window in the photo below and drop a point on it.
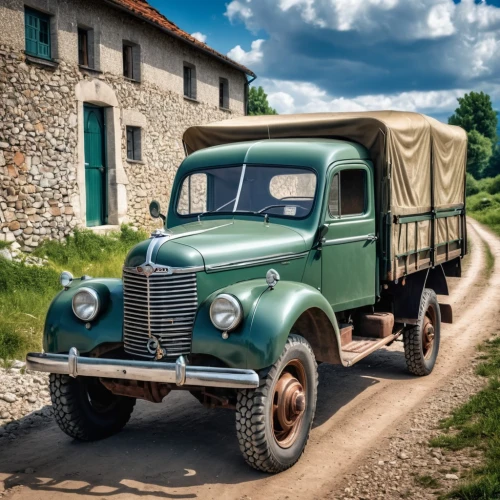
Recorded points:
(193, 196)
(347, 193)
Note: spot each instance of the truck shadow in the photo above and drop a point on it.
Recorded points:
(167, 450)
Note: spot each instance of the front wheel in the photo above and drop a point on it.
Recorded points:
(273, 421)
(85, 410)
(422, 340)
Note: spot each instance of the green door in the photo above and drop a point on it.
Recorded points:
(348, 257)
(95, 166)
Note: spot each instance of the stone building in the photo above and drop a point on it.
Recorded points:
(95, 96)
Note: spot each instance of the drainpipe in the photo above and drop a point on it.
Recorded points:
(247, 86)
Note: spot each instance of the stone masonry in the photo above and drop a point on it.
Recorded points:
(40, 144)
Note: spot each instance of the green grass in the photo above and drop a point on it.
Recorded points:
(427, 481)
(485, 208)
(26, 291)
(476, 425)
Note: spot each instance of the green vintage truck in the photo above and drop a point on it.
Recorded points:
(289, 241)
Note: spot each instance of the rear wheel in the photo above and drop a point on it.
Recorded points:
(273, 421)
(422, 340)
(84, 409)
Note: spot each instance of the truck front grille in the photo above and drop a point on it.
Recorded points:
(161, 305)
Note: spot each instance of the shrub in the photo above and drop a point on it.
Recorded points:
(471, 185)
(494, 185)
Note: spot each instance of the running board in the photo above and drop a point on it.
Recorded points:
(360, 347)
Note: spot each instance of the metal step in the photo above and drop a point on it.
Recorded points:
(360, 347)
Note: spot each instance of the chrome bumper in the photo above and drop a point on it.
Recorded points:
(150, 371)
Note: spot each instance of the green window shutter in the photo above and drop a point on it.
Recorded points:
(37, 33)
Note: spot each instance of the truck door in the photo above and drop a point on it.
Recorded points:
(348, 266)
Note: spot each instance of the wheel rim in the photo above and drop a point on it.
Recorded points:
(289, 403)
(429, 332)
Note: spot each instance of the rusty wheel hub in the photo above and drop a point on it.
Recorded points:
(428, 336)
(289, 404)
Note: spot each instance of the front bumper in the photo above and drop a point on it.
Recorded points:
(178, 373)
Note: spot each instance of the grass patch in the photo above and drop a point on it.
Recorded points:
(428, 482)
(5, 244)
(476, 425)
(26, 291)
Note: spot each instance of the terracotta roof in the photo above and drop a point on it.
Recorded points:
(142, 10)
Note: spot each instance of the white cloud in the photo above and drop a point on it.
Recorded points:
(199, 36)
(237, 9)
(303, 97)
(253, 56)
(365, 54)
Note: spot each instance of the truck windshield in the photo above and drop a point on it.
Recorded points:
(274, 190)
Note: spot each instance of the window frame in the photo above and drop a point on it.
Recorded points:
(135, 141)
(84, 33)
(367, 195)
(192, 85)
(40, 17)
(134, 52)
(223, 93)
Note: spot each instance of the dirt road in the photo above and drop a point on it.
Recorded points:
(180, 450)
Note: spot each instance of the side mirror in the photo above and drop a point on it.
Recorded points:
(321, 235)
(154, 210)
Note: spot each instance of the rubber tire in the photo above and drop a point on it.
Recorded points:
(253, 425)
(415, 361)
(75, 415)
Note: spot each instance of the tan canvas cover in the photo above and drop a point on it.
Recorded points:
(414, 148)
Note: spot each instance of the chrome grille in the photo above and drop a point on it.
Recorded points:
(160, 305)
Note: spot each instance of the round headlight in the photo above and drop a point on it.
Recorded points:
(65, 279)
(226, 312)
(86, 304)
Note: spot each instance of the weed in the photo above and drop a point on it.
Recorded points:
(427, 482)
(476, 424)
(26, 291)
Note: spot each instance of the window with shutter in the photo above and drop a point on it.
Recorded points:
(37, 33)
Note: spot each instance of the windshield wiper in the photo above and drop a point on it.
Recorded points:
(216, 210)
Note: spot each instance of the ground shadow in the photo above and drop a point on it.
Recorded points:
(169, 447)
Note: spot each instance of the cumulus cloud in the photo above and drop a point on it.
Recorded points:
(252, 57)
(304, 97)
(199, 36)
(353, 48)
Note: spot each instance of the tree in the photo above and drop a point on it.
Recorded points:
(258, 104)
(476, 115)
(479, 152)
(494, 167)
(475, 112)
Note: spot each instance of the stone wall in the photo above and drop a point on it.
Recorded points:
(40, 146)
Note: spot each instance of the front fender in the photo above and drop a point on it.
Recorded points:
(269, 317)
(64, 330)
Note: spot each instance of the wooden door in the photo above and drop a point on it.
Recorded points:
(95, 166)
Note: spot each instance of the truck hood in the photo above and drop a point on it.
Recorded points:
(217, 243)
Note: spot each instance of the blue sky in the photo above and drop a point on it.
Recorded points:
(342, 55)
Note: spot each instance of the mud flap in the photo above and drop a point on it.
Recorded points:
(407, 297)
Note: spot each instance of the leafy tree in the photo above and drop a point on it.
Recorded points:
(479, 152)
(475, 112)
(257, 102)
(494, 167)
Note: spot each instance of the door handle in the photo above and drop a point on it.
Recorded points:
(372, 237)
